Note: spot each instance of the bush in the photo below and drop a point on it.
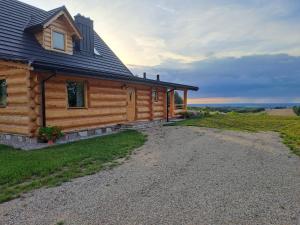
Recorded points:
(194, 114)
(297, 110)
(50, 133)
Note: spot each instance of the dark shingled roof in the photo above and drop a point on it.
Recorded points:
(16, 44)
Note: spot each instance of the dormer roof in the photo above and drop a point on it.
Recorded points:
(44, 19)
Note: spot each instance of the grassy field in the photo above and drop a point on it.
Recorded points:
(22, 171)
(288, 127)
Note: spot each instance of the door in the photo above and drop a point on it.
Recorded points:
(130, 104)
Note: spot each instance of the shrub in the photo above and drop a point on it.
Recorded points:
(233, 113)
(297, 110)
(194, 114)
(50, 133)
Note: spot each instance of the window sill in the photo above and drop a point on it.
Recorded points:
(70, 108)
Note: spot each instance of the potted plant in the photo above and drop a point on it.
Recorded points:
(50, 134)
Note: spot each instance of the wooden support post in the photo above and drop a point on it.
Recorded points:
(185, 100)
(165, 96)
(172, 105)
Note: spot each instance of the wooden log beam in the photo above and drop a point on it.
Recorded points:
(172, 103)
(15, 65)
(185, 94)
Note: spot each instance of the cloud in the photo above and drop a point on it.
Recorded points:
(153, 32)
(229, 48)
(249, 77)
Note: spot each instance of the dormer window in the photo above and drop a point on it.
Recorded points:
(58, 40)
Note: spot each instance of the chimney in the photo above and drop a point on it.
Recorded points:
(86, 27)
(157, 77)
(144, 75)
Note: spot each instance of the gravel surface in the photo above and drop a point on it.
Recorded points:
(182, 175)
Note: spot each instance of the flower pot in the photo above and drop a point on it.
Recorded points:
(50, 142)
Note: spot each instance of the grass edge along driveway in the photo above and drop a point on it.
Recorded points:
(287, 126)
(22, 171)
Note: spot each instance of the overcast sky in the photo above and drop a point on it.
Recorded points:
(234, 50)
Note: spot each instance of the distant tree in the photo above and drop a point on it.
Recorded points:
(297, 110)
(178, 99)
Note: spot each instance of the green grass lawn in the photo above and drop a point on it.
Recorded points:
(22, 171)
(288, 127)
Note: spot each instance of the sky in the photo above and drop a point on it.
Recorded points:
(235, 51)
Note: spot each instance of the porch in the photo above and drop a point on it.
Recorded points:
(175, 109)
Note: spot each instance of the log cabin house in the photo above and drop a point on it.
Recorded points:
(55, 70)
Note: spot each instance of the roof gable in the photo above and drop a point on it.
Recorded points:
(38, 22)
(17, 16)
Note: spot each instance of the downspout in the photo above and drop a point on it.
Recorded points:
(168, 104)
(43, 103)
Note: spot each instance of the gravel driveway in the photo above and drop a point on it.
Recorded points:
(182, 175)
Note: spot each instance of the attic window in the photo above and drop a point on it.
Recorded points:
(96, 52)
(58, 40)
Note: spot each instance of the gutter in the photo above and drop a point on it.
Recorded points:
(43, 102)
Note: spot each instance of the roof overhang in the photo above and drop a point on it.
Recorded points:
(83, 72)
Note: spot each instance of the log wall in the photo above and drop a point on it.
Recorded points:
(106, 104)
(15, 116)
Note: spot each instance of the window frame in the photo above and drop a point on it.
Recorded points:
(85, 95)
(155, 95)
(4, 105)
(52, 40)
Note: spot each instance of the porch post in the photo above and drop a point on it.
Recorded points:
(172, 106)
(185, 100)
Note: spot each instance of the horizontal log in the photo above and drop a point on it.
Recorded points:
(20, 90)
(94, 126)
(55, 95)
(143, 92)
(142, 102)
(112, 91)
(158, 114)
(13, 129)
(143, 109)
(83, 113)
(85, 122)
(14, 120)
(99, 97)
(51, 86)
(12, 72)
(143, 97)
(158, 108)
(17, 100)
(107, 103)
(16, 80)
(14, 65)
(55, 103)
(143, 115)
(14, 110)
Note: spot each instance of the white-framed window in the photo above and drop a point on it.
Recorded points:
(58, 40)
(3, 93)
(76, 94)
